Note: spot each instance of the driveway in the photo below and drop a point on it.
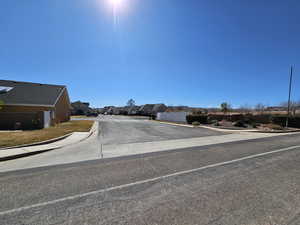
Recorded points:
(124, 130)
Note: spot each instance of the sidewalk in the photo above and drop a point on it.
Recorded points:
(110, 151)
(12, 153)
(230, 130)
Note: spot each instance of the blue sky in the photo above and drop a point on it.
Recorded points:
(191, 52)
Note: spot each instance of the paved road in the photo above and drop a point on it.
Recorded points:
(218, 184)
(114, 130)
(123, 130)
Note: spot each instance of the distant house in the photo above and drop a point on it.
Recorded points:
(146, 110)
(32, 105)
(159, 108)
(110, 110)
(80, 108)
(133, 110)
(152, 109)
(276, 108)
(178, 109)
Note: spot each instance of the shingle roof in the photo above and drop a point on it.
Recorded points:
(25, 93)
(146, 107)
(159, 107)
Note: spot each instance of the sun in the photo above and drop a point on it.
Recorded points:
(116, 3)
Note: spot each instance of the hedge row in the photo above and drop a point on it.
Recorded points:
(281, 120)
(246, 118)
(197, 118)
(249, 118)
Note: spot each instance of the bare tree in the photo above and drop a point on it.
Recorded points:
(260, 108)
(293, 106)
(130, 102)
(245, 108)
(225, 107)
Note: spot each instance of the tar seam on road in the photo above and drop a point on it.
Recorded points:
(144, 181)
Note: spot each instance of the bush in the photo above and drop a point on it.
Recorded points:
(196, 123)
(217, 124)
(261, 118)
(215, 117)
(239, 123)
(196, 118)
(212, 121)
(281, 120)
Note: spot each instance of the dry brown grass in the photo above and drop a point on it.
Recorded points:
(8, 139)
(80, 116)
(271, 126)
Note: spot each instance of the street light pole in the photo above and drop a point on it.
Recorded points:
(289, 100)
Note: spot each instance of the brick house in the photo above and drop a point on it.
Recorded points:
(32, 105)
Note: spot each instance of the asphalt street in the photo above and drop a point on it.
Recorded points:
(253, 182)
(113, 130)
(123, 129)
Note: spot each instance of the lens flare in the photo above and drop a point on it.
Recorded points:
(116, 3)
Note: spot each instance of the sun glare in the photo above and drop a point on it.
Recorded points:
(116, 3)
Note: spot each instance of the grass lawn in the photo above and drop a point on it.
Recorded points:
(78, 117)
(8, 139)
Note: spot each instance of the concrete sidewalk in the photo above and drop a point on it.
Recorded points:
(110, 151)
(12, 153)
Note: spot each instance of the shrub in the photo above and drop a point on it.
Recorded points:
(212, 121)
(196, 118)
(217, 124)
(215, 117)
(261, 118)
(195, 123)
(239, 123)
(281, 120)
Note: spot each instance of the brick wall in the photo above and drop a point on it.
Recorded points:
(21, 120)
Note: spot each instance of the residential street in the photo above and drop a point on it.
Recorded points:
(122, 130)
(254, 181)
(114, 130)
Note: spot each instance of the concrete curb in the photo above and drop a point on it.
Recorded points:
(253, 130)
(175, 124)
(26, 153)
(227, 130)
(231, 130)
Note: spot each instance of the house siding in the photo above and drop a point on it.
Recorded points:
(16, 108)
(22, 117)
(25, 115)
(62, 108)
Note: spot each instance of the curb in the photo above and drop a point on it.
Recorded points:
(227, 130)
(231, 130)
(25, 154)
(175, 124)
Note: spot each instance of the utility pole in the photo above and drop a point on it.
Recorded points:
(289, 100)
